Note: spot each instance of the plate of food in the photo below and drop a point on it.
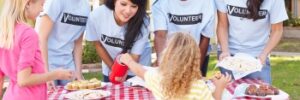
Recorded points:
(87, 94)
(84, 84)
(241, 64)
(260, 91)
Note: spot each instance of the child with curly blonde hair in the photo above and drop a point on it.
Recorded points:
(178, 76)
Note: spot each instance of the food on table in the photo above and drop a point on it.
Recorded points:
(240, 64)
(251, 90)
(84, 84)
(87, 95)
(262, 90)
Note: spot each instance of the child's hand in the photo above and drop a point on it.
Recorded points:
(126, 58)
(64, 74)
(221, 82)
(51, 86)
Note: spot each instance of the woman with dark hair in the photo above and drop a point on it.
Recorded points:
(120, 26)
(250, 26)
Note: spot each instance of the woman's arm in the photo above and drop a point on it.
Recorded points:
(78, 57)
(275, 36)
(103, 54)
(159, 43)
(222, 34)
(27, 78)
(203, 45)
(44, 30)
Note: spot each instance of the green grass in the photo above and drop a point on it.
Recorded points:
(284, 74)
(97, 75)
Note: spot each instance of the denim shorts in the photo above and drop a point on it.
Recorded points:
(61, 82)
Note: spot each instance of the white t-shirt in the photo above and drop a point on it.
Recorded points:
(69, 18)
(246, 35)
(102, 27)
(193, 16)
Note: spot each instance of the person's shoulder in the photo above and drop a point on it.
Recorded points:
(55, 2)
(25, 30)
(22, 27)
(160, 3)
(100, 11)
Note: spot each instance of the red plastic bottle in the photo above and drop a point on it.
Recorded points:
(118, 70)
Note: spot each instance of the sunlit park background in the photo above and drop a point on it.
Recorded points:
(285, 59)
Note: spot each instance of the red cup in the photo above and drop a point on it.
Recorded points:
(118, 70)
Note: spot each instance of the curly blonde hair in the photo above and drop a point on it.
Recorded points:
(180, 66)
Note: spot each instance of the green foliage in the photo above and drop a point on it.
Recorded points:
(89, 53)
(292, 21)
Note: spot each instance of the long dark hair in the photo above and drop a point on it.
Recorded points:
(253, 7)
(134, 25)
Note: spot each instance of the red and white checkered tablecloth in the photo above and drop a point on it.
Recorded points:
(118, 92)
(122, 92)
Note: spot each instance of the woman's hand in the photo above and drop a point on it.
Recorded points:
(223, 55)
(122, 79)
(78, 76)
(262, 58)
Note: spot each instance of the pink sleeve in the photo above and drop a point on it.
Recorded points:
(1, 73)
(28, 49)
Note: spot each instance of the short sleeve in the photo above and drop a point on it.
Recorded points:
(53, 9)
(159, 17)
(278, 12)
(150, 80)
(209, 29)
(221, 6)
(91, 32)
(140, 44)
(28, 48)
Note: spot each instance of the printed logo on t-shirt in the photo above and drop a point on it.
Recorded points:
(112, 41)
(243, 12)
(74, 19)
(185, 19)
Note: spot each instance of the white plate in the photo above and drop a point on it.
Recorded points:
(103, 84)
(87, 94)
(241, 64)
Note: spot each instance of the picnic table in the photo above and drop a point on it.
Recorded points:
(127, 92)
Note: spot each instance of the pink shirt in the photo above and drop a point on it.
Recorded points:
(25, 53)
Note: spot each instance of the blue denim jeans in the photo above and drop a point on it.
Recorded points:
(61, 82)
(264, 74)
